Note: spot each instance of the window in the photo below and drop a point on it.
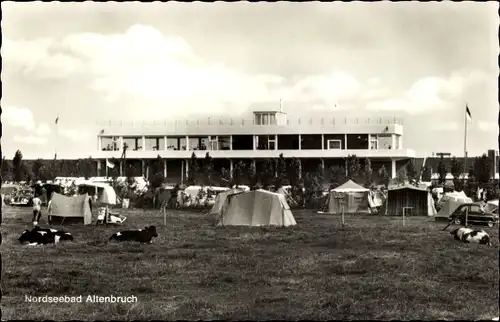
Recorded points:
(258, 119)
(265, 119)
(334, 144)
(214, 143)
(224, 142)
(272, 119)
(272, 142)
(475, 208)
(373, 142)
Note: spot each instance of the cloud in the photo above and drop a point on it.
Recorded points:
(431, 93)
(487, 126)
(163, 73)
(43, 129)
(74, 135)
(18, 117)
(30, 140)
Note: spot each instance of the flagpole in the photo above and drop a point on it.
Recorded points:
(465, 140)
(57, 135)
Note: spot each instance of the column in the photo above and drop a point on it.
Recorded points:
(276, 142)
(255, 142)
(231, 168)
(187, 146)
(99, 143)
(98, 168)
(143, 143)
(121, 144)
(393, 144)
(187, 169)
(230, 142)
(165, 168)
(345, 141)
(322, 141)
(393, 168)
(300, 141)
(300, 168)
(121, 168)
(369, 141)
(165, 143)
(322, 164)
(142, 167)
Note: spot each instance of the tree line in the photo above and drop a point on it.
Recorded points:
(272, 172)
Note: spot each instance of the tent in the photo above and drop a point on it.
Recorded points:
(78, 206)
(192, 194)
(355, 199)
(221, 198)
(450, 201)
(105, 193)
(256, 208)
(492, 206)
(419, 199)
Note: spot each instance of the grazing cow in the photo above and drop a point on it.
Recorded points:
(468, 235)
(459, 232)
(43, 236)
(141, 235)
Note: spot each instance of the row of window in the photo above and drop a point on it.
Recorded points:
(261, 142)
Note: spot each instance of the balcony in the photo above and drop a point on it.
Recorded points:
(258, 154)
(300, 125)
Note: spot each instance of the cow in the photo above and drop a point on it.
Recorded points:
(44, 236)
(468, 235)
(140, 235)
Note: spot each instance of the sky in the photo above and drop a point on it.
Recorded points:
(154, 61)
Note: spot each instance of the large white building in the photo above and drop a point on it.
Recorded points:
(319, 140)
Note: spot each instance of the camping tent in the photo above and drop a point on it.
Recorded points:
(492, 206)
(78, 206)
(221, 198)
(355, 199)
(419, 199)
(105, 193)
(450, 201)
(256, 208)
(192, 194)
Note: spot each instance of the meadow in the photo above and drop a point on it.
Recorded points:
(373, 268)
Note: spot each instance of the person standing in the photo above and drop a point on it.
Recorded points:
(37, 210)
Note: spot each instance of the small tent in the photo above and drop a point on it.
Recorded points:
(221, 198)
(105, 193)
(64, 206)
(450, 201)
(353, 197)
(492, 206)
(419, 199)
(256, 208)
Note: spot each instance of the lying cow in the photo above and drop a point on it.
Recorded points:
(468, 235)
(43, 236)
(141, 235)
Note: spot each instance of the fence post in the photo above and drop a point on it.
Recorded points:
(466, 215)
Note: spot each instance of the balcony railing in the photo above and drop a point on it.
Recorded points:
(297, 121)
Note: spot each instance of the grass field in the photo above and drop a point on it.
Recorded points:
(372, 269)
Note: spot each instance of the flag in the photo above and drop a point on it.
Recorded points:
(467, 112)
(109, 164)
(57, 120)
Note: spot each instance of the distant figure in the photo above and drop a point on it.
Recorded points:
(37, 212)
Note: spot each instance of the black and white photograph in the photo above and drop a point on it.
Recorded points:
(250, 161)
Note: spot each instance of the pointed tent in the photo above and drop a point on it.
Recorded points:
(450, 201)
(221, 198)
(78, 206)
(355, 199)
(256, 208)
(408, 196)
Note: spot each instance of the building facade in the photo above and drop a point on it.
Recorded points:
(323, 141)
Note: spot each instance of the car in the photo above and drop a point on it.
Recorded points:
(476, 215)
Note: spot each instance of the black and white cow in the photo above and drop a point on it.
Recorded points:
(468, 235)
(44, 236)
(140, 235)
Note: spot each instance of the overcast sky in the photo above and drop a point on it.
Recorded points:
(89, 61)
